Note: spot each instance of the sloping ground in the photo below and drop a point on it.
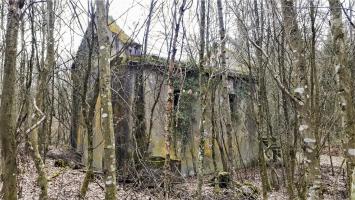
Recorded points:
(64, 184)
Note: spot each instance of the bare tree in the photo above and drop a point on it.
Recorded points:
(40, 98)
(345, 90)
(89, 105)
(203, 98)
(226, 104)
(106, 104)
(170, 99)
(312, 183)
(8, 103)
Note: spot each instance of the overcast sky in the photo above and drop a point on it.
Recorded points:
(131, 16)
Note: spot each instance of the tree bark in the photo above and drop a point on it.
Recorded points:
(288, 149)
(37, 146)
(106, 104)
(203, 100)
(88, 109)
(345, 92)
(227, 112)
(49, 65)
(146, 34)
(169, 102)
(312, 182)
(8, 103)
(262, 100)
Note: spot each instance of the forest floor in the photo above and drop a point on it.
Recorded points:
(64, 184)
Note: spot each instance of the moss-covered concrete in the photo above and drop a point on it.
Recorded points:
(138, 89)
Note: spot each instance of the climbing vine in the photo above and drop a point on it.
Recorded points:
(187, 100)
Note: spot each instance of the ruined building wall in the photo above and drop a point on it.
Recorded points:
(136, 89)
(187, 115)
(129, 137)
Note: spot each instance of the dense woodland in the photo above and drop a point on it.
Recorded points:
(201, 99)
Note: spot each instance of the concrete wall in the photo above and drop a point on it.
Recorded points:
(123, 84)
(244, 142)
(152, 80)
(185, 145)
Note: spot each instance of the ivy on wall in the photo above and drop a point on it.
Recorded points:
(186, 106)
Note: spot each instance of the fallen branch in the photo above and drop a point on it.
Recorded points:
(95, 172)
(102, 187)
(56, 174)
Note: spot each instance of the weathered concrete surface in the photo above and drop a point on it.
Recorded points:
(134, 131)
(244, 142)
(132, 128)
(97, 140)
(183, 149)
(122, 102)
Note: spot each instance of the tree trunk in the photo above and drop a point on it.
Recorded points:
(37, 146)
(203, 101)
(49, 65)
(43, 71)
(288, 149)
(312, 182)
(106, 104)
(42, 177)
(169, 102)
(213, 131)
(88, 109)
(8, 103)
(345, 91)
(89, 118)
(262, 100)
(227, 111)
(147, 30)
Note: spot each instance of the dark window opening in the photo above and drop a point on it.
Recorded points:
(232, 102)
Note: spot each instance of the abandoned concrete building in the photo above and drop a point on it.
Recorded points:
(138, 99)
